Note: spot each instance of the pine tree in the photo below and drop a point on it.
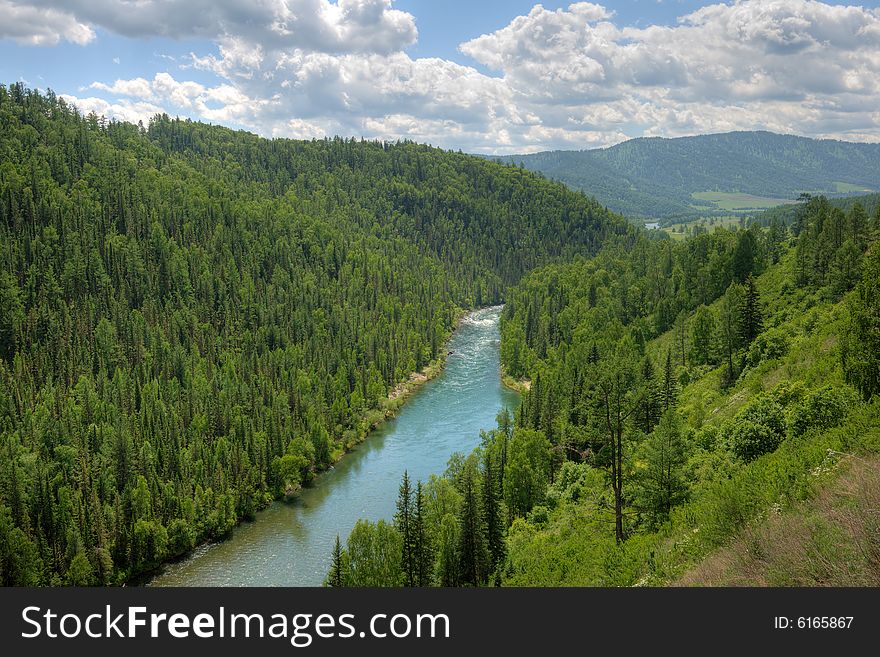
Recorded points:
(751, 322)
(422, 548)
(702, 336)
(473, 557)
(336, 577)
(404, 525)
(860, 346)
(492, 514)
(669, 387)
(661, 484)
(650, 402)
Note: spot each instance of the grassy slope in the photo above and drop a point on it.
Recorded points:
(573, 544)
(832, 538)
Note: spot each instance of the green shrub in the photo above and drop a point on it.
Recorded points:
(749, 439)
(770, 345)
(823, 408)
(757, 429)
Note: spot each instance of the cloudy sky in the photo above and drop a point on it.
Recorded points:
(487, 76)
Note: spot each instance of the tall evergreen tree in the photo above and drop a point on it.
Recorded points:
(336, 577)
(617, 399)
(860, 346)
(403, 521)
(423, 552)
(751, 320)
(651, 399)
(473, 556)
(669, 387)
(703, 336)
(661, 484)
(492, 520)
(505, 431)
(728, 325)
(681, 337)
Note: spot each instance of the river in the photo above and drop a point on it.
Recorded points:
(290, 543)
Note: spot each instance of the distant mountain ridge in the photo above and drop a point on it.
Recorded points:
(734, 172)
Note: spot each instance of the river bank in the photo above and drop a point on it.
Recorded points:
(369, 422)
(521, 386)
(397, 397)
(290, 541)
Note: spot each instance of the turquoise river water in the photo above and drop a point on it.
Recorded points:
(290, 543)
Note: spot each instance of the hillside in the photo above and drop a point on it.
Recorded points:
(789, 214)
(711, 175)
(746, 464)
(195, 320)
(682, 395)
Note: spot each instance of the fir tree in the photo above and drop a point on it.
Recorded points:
(860, 346)
(473, 557)
(423, 552)
(751, 322)
(650, 403)
(669, 387)
(702, 336)
(403, 521)
(336, 577)
(492, 513)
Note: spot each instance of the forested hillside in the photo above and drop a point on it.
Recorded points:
(679, 395)
(193, 320)
(658, 178)
(794, 213)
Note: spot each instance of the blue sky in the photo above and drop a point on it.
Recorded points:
(491, 76)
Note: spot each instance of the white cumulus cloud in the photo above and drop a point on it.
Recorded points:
(565, 78)
(41, 26)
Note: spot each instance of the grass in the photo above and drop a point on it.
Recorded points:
(832, 539)
(848, 188)
(800, 515)
(680, 231)
(739, 201)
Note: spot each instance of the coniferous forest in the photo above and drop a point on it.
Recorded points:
(194, 321)
(696, 412)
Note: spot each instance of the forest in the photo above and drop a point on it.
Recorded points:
(194, 321)
(681, 397)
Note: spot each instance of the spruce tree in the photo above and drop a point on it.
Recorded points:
(702, 336)
(423, 552)
(336, 577)
(492, 513)
(505, 430)
(860, 344)
(751, 322)
(650, 403)
(473, 557)
(404, 524)
(668, 390)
